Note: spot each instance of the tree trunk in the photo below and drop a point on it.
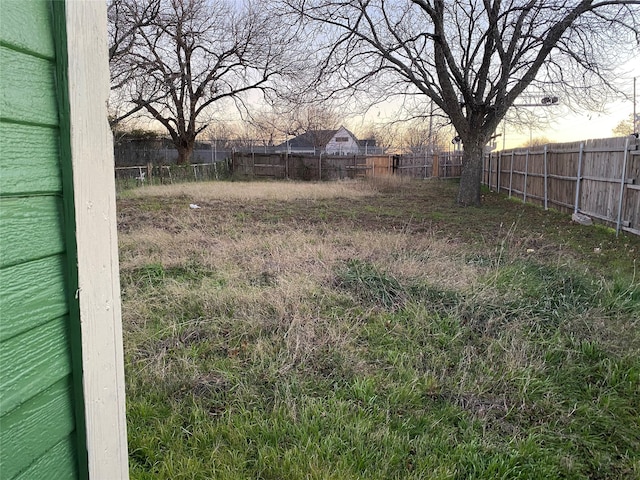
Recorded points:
(184, 153)
(471, 179)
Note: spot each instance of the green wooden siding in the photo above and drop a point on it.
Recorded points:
(36, 426)
(41, 173)
(33, 360)
(54, 463)
(37, 411)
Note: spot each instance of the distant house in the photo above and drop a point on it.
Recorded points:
(343, 142)
(330, 142)
(313, 141)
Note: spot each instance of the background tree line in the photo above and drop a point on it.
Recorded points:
(464, 63)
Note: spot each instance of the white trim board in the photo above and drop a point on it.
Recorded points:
(96, 235)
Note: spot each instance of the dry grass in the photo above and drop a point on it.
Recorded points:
(251, 191)
(361, 330)
(299, 256)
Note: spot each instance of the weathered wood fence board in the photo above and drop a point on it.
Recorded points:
(299, 167)
(599, 178)
(329, 167)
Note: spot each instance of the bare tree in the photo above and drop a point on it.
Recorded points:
(472, 58)
(191, 55)
(536, 142)
(125, 20)
(624, 127)
(419, 138)
(290, 118)
(386, 136)
(313, 118)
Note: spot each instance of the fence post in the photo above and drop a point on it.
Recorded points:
(578, 179)
(498, 168)
(489, 171)
(425, 163)
(622, 183)
(253, 162)
(526, 171)
(545, 179)
(511, 173)
(446, 163)
(435, 168)
(286, 165)
(320, 167)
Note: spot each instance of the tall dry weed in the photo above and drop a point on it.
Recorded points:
(248, 191)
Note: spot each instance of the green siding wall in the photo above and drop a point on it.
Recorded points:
(37, 427)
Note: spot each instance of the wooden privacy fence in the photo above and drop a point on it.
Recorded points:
(297, 166)
(330, 167)
(425, 165)
(598, 178)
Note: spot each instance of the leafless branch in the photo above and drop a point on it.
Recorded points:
(472, 58)
(176, 60)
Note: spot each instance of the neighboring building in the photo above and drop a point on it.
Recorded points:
(342, 142)
(62, 395)
(329, 142)
(313, 141)
(368, 146)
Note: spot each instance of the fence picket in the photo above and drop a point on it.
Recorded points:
(622, 182)
(591, 177)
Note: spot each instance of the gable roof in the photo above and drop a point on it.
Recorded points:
(310, 139)
(345, 129)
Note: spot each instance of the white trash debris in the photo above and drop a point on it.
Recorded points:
(582, 219)
(193, 205)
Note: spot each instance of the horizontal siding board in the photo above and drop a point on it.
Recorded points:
(32, 294)
(27, 88)
(57, 463)
(17, 20)
(32, 362)
(32, 429)
(31, 228)
(29, 159)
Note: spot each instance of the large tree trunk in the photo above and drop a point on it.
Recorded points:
(471, 179)
(185, 150)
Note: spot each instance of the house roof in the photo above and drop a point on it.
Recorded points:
(320, 138)
(310, 139)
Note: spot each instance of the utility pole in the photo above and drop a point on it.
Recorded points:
(636, 121)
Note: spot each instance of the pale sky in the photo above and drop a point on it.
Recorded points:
(587, 125)
(575, 127)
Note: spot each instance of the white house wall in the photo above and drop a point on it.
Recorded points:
(350, 147)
